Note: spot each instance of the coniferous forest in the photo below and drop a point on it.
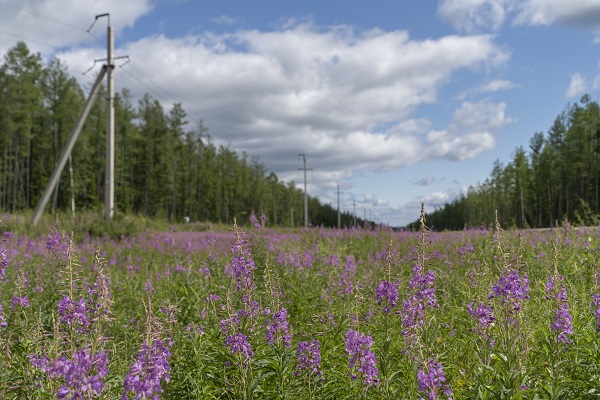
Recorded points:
(164, 167)
(556, 179)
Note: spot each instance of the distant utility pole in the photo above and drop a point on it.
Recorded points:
(305, 192)
(338, 204)
(354, 211)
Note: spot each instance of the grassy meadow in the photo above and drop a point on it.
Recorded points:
(255, 313)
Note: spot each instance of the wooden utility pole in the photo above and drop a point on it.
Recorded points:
(338, 207)
(305, 192)
(109, 194)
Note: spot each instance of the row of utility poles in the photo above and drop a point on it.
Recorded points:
(109, 193)
(339, 217)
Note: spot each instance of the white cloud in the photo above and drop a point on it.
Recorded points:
(577, 86)
(583, 13)
(321, 92)
(483, 15)
(47, 25)
(474, 15)
(492, 86)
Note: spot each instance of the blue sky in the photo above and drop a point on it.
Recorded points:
(399, 102)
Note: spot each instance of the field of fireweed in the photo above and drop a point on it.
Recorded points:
(319, 314)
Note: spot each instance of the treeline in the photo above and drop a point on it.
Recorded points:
(163, 168)
(556, 179)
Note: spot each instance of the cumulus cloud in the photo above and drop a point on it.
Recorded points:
(47, 25)
(484, 15)
(577, 86)
(323, 92)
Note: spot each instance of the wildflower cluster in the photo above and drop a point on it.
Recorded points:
(561, 324)
(387, 293)
(432, 380)
(484, 314)
(83, 374)
(423, 296)
(345, 284)
(72, 312)
(238, 344)
(242, 266)
(256, 223)
(512, 289)
(20, 301)
(148, 371)
(278, 328)
(309, 357)
(358, 347)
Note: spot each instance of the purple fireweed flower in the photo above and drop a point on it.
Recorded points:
(72, 312)
(278, 329)
(149, 287)
(483, 313)
(387, 292)
(466, 249)
(82, 375)
(511, 288)
(99, 296)
(213, 298)
(238, 343)
(595, 305)
(551, 285)
(148, 371)
(231, 323)
(242, 267)
(423, 296)
(254, 221)
(358, 347)
(562, 317)
(432, 380)
(309, 357)
(19, 301)
(53, 243)
(345, 284)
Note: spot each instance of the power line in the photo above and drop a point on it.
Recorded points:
(56, 21)
(42, 16)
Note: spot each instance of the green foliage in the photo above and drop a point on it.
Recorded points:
(558, 178)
